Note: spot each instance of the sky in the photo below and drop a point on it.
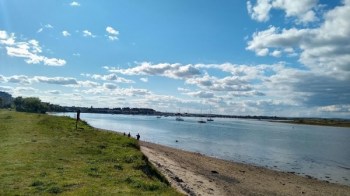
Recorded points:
(255, 57)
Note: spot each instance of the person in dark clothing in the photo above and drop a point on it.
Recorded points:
(138, 136)
(129, 134)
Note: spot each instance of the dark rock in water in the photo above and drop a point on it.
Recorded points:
(291, 172)
(214, 172)
(176, 141)
(327, 177)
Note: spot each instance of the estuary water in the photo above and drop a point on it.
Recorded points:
(318, 151)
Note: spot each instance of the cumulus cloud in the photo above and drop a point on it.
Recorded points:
(87, 33)
(112, 33)
(56, 80)
(22, 79)
(112, 89)
(110, 86)
(325, 48)
(74, 4)
(29, 50)
(144, 79)
(201, 94)
(88, 84)
(110, 77)
(66, 33)
(175, 71)
(303, 11)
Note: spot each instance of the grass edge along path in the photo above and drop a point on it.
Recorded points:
(42, 154)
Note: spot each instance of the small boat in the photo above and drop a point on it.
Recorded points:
(210, 119)
(179, 119)
(178, 116)
(201, 121)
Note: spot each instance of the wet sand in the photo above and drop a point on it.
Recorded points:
(196, 174)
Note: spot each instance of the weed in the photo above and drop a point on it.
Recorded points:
(37, 183)
(55, 190)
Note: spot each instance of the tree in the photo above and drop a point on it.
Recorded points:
(30, 104)
(6, 100)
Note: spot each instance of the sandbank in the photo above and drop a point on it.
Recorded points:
(196, 174)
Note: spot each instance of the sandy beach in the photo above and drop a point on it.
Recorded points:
(195, 174)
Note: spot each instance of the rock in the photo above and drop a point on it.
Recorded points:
(214, 172)
(177, 179)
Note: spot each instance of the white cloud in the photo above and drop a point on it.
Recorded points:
(22, 79)
(56, 80)
(43, 27)
(325, 48)
(88, 84)
(144, 79)
(110, 86)
(54, 61)
(112, 33)
(87, 33)
(110, 77)
(184, 90)
(74, 4)
(54, 92)
(260, 11)
(303, 11)
(176, 71)
(29, 50)
(66, 33)
(201, 94)
(276, 53)
(335, 108)
(48, 26)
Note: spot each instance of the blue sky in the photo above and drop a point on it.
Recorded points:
(256, 57)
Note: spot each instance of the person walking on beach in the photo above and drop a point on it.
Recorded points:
(138, 136)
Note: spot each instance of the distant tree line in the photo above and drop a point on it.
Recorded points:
(35, 105)
(28, 104)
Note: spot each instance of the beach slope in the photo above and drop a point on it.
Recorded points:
(195, 174)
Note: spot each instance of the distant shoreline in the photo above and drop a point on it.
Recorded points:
(318, 122)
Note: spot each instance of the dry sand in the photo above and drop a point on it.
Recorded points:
(195, 174)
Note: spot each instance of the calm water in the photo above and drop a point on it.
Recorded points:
(318, 151)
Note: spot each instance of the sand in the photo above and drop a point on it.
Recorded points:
(196, 174)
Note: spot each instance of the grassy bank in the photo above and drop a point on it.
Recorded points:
(41, 154)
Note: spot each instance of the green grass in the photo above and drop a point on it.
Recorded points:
(43, 155)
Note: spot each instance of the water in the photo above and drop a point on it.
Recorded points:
(318, 151)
